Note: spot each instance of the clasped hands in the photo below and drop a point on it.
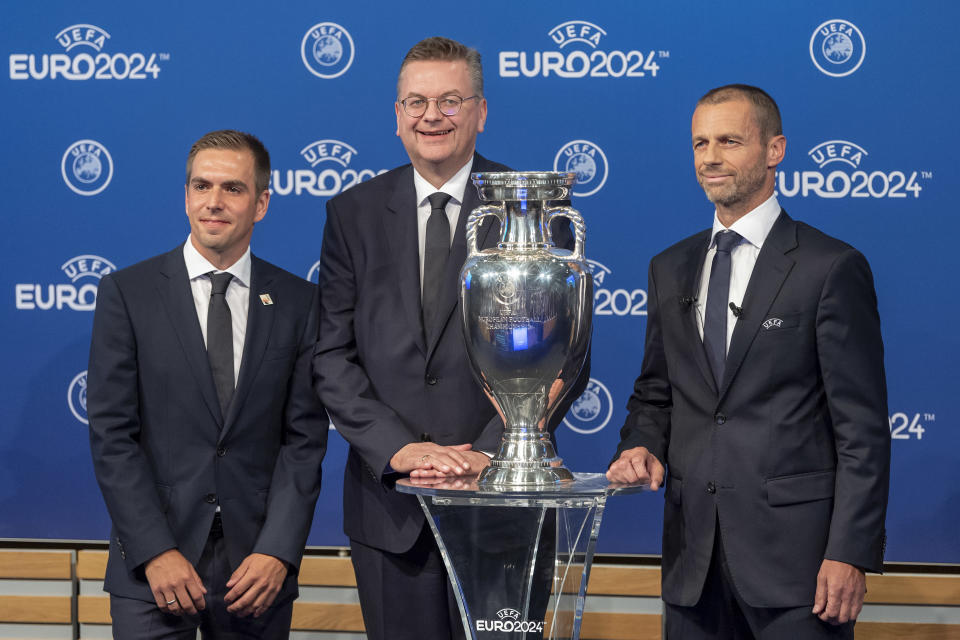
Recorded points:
(178, 589)
(431, 460)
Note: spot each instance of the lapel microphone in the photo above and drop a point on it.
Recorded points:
(736, 310)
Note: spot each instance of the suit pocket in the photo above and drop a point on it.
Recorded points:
(780, 322)
(280, 353)
(261, 506)
(674, 490)
(804, 487)
(164, 492)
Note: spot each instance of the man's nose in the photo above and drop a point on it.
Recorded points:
(215, 199)
(433, 111)
(711, 154)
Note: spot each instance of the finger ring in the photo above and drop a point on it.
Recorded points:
(424, 457)
(174, 601)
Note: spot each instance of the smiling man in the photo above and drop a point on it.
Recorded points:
(206, 434)
(390, 365)
(762, 398)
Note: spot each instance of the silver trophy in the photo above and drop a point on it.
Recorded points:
(527, 317)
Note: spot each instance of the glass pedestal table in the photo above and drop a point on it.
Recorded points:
(519, 558)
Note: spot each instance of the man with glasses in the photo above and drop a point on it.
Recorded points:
(391, 364)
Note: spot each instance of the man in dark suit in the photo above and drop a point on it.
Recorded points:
(391, 365)
(206, 434)
(762, 390)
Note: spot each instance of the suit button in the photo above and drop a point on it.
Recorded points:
(430, 380)
(221, 452)
(711, 488)
(211, 498)
(720, 418)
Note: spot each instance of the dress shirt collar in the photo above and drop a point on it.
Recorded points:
(455, 186)
(754, 226)
(198, 266)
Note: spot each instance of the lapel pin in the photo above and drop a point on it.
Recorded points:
(266, 299)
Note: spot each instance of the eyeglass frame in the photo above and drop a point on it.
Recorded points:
(403, 104)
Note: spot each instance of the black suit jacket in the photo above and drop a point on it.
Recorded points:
(385, 385)
(791, 454)
(163, 454)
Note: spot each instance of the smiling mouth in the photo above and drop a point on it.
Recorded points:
(435, 134)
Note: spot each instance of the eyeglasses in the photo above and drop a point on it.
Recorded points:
(450, 105)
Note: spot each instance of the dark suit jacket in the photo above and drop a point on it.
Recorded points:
(163, 454)
(384, 385)
(792, 453)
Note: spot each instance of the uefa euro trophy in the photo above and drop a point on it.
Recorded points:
(527, 317)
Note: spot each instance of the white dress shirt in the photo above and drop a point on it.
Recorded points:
(238, 295)
(455, 188)
(754, 228)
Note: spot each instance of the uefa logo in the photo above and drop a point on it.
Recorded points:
(77, 397)
(87, 167)
(83, 58)
(582, 53)
(509, 620)
(327, 50)
(841, 173)
(837, 48)
(80, 294)
(588, 161)
(592, 410)
(330, 172)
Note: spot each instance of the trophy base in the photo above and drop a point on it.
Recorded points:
(507, 475)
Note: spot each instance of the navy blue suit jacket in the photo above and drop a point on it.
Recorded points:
(384, 385)
(163, 454)
(791, 454)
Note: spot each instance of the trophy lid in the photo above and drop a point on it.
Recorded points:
(523, 185)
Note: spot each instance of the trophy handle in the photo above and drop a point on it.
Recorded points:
(579, 228)
(473, 223)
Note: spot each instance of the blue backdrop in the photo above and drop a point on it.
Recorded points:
(102, 100)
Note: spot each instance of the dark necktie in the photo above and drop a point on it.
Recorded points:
(718, 294)
(220, 340)
(436, 249)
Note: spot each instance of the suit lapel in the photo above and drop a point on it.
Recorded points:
(458, 255)
(400, 226)
(256, 337)
(174, 290)
(767, 278)
(690, 287)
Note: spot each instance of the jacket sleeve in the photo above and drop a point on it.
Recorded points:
(372, 428)
(850, 351)
(296, 476)
(113, 408)
(650, 405)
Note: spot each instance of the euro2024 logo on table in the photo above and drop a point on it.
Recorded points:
(83, 58)
(580, 56)
(328, 180)
(327, 50)
(839, 175)
(592, 410)
(510, 621)
(588, 161)
(77, 397)
(80, 294)
(86, 167)
(837, 48)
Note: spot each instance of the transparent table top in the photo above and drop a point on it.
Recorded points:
(585, 487)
